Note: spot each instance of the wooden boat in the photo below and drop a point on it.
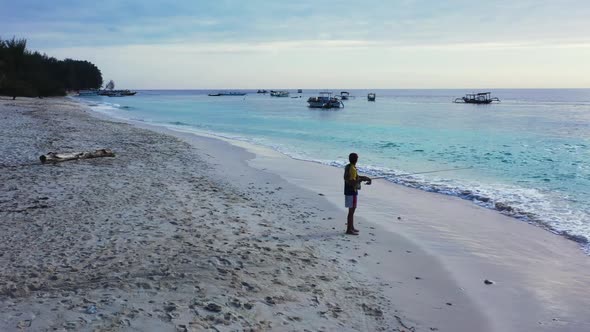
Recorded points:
(325, 100)
(116, 93)
(477, 98)
(371, 96)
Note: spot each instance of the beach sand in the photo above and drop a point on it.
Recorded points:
(180, 232)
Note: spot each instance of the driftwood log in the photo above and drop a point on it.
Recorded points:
(53, 157)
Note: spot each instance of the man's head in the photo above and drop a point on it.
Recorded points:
(353, 157)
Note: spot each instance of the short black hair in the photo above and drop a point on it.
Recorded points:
(353, 157)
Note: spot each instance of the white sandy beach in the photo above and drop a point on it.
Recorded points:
(180, 232)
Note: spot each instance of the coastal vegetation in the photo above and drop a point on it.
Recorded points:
(32, 74)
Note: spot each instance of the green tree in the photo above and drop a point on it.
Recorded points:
(13, 58)
(24, 73)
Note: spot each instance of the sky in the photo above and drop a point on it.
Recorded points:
(254, 44)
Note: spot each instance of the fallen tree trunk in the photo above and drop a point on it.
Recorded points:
(53, 157)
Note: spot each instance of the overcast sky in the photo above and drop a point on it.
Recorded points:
(255, 44)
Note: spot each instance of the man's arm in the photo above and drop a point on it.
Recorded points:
(358, 180)
(362, 178)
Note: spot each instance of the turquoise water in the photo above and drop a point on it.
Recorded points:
(528, 156)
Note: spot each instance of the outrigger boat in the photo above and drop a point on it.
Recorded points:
(371, 96)
(116, 93)
(109, 90)
(477, 98)
(325, 100)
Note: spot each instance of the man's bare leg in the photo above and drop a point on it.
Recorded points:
(350, 222)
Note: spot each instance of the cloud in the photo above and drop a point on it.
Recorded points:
(347, 64)
(114, 22)
(406, 43)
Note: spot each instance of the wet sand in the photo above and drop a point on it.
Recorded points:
(180, 232)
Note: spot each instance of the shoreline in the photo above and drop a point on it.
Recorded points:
(505, 238)
(467, 194)
(437, 286)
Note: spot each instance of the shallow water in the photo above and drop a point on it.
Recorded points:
(528, 156)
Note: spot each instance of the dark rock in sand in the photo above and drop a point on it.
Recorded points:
(488, 282)
(170, 307)
(213, 307)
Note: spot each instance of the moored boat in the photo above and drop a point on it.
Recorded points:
(116, 93)
(110, 91)
(344, 95)
(325, 100)
(128, 93)
(477, 98)
(371, 96)
(279, 93)
(227, 94)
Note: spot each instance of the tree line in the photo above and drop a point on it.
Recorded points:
(32, 74)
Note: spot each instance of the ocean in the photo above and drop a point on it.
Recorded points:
(528, 156)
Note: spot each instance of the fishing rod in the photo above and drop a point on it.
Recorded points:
(436, 171)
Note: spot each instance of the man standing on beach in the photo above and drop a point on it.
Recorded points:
(352, 183)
